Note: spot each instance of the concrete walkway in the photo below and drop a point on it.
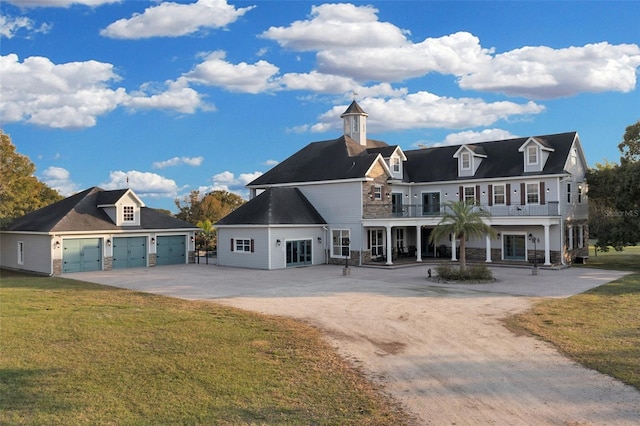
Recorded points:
(440, 349)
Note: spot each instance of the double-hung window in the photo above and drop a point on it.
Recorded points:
(498, 194)
(20, 253)
(340, 243)
(533, 193)
(243, 245)
(470, 194)
(465, 161)
(532, 155)
(377, 192)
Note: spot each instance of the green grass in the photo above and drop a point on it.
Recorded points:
(79, 353)
(599, 328)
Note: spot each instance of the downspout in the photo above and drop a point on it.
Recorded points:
(325, 245)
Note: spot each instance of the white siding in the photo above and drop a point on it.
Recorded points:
(37, 252)
(278, 253)
(259, 259)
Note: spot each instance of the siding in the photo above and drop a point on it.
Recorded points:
(258, 259)
(37, 252)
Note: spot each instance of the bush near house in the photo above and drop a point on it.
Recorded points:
(477, 272)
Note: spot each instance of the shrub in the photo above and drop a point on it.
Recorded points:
(478, 272)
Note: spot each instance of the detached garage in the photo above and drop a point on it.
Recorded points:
(96, 230)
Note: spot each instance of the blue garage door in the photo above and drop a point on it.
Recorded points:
(82, 254)
(129, 252)
(171, 250)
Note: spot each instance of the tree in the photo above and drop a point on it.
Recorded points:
(20, 191)
(213, 206)
(630, 145)
(462, 219)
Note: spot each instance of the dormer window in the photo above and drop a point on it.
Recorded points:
(128, 214)
(395, 164)
(532, 155)
(465, 160)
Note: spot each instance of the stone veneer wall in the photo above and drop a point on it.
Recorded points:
(153, 259)
(353, 260)
(108, 263)
(192, 256)
(57, 266)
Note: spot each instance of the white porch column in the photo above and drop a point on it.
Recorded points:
(570, 231)
(453, 248)
(389, 252)
(488, 240)
(547, 253)
(418, 244)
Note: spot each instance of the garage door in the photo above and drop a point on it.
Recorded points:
(81, 254)
(171, 250)
(129, 252)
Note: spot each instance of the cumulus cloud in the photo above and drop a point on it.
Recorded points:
(426, 110)
(59, 179)
(169, 19)
(337, 26)
(542, 72)
(10, 26)
(145, 184)
(75, 94)
(179, 161)
(60, 3)
(241, 77)
(173, 95)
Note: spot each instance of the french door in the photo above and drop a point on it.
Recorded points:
(299, 253)
(514, 247)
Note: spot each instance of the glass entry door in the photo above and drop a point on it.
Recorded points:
(514, 247)
(376, 242)
(299, 253)
(430, 203)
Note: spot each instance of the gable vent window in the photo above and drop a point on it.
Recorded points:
(128, 215)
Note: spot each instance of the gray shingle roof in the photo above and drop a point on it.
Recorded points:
(275, 206)
(503, 159)
(341, 158)
(80, 212)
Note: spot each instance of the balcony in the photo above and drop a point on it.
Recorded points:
(388, 211)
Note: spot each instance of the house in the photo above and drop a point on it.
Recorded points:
(95, 230)
(379, 202)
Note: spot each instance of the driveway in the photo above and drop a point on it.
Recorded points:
(440, 349)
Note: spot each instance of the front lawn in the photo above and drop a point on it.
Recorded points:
(599, 328)
(79, 353)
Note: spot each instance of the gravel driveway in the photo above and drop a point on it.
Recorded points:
(440, 349)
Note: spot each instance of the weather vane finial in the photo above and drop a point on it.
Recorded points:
(354, 94)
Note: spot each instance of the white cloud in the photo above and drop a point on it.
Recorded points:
(177, 97)
(271, 163)
(75, 94)
(337, 26)
(425, 110)
(455, 54)
(169, 19)
(242, 77)
(60, 96)
(228, 181)
(543, 73)
(60, 3)
(470, 136)
(178, 161)
(10, 26)
(145, 184)
(59, 179)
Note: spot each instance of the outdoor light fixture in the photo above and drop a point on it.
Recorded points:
(108, 243)
(278, 242)
(192, 239)
(57, 244)
(319, 240)
(153, 240)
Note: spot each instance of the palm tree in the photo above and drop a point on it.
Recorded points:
(462, 219)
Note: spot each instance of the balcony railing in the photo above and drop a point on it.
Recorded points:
(386, 211)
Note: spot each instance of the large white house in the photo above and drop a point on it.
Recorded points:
(360, 200)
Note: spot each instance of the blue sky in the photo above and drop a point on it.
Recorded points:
(178, 96)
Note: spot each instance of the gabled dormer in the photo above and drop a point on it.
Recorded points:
(122, 206)
(355, 123)
(535, 152)
(396, 161)
(469, 158)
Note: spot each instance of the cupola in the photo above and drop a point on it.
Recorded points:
(355, 123)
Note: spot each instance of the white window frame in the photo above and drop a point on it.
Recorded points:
(377, 192)
(579, 194)
(532, 149)
(504, 195)
(242, 245)
(465, 196)
(395, 164)
(568, 192)
(20, 252)
(465, 157)
(128, 213)
(338, 237)
(574, 156)
(376, 242)
(536, 192)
